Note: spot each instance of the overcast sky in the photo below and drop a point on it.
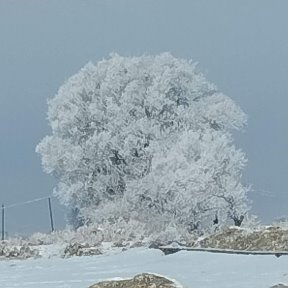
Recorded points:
(241, 46)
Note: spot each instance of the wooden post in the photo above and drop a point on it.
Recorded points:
(3, 223)
(50, 214)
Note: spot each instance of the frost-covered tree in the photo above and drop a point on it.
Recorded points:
(150, 134)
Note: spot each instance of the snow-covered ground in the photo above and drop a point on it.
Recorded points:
(192, 269)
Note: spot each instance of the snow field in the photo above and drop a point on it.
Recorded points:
(191, 269)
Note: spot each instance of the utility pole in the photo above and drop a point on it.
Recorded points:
(50, 214)
(3, 223)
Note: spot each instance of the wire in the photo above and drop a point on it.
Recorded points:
(26, 202)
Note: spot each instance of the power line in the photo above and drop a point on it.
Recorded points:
(26, 202)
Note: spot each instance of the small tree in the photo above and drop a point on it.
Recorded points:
(150, 134)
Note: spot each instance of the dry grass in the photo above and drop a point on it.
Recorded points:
(266, 239)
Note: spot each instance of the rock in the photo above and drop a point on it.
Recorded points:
(120, 244)
(77, 249)
(143, 280)
(155, 245)
(280, 286)
(90, 251)
(137, 244)
(72, 249)
(22, 252)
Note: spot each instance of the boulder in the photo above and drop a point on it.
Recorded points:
(144, 280)
(77, 249)
(22, 252)
(280, 286)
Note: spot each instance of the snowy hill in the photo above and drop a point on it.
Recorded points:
(191, 269)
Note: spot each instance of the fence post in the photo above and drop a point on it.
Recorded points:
(50, 214)
(3, 223)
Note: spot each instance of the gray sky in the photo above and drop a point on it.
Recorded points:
(241, 46)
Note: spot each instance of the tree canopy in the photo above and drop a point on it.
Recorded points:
(144, 137)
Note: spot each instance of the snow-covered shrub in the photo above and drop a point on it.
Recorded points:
(251, 222)
(281, 222)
